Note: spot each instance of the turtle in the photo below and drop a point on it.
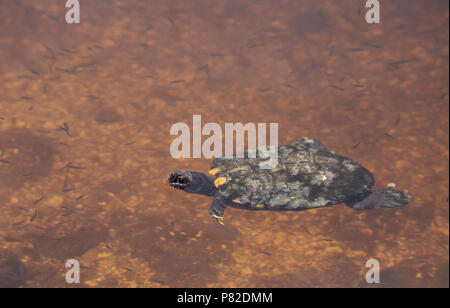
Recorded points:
(306, 176)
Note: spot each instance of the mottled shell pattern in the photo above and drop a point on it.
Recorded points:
(304, 178)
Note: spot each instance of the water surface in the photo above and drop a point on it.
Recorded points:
(85, 113)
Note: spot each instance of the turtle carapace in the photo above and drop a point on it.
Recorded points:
(307, 176)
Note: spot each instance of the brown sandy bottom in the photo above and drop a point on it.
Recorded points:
(85, 113)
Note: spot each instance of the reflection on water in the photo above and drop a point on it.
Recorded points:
(85, 113)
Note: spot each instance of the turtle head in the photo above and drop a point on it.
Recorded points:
(192, 182)
(180, 180)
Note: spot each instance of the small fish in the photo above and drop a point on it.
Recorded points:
(331, 52)
(389, 135)
(32, 70)
(50, 51)
(70, 166)
(348, 118)
(80, 197)
(356, 145)
(32, 218)
(67, 50)
(397, 64)
(69, 189)
(355, 49)
(65, 128)
(166, 96)
(265, 253)
(38, 200)
(337, 88)
(372, 45)
(71, 71)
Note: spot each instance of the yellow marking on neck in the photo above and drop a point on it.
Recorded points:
(214, 171)
(237, 200)
(220, 181)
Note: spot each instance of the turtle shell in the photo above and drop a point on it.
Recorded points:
(304, 178)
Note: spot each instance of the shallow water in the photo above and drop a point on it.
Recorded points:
(94, 189)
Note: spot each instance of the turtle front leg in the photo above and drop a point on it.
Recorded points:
(217, 208)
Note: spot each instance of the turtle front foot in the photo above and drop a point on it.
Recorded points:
(217, 208)
(219, 219)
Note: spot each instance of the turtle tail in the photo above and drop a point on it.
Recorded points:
(382, 198)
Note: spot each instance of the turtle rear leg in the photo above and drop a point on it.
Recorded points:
(386, 197)
(217, 208)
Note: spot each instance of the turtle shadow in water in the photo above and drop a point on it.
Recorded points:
(309, 22)
(13, 273)
(181, 253)
(24, 156)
